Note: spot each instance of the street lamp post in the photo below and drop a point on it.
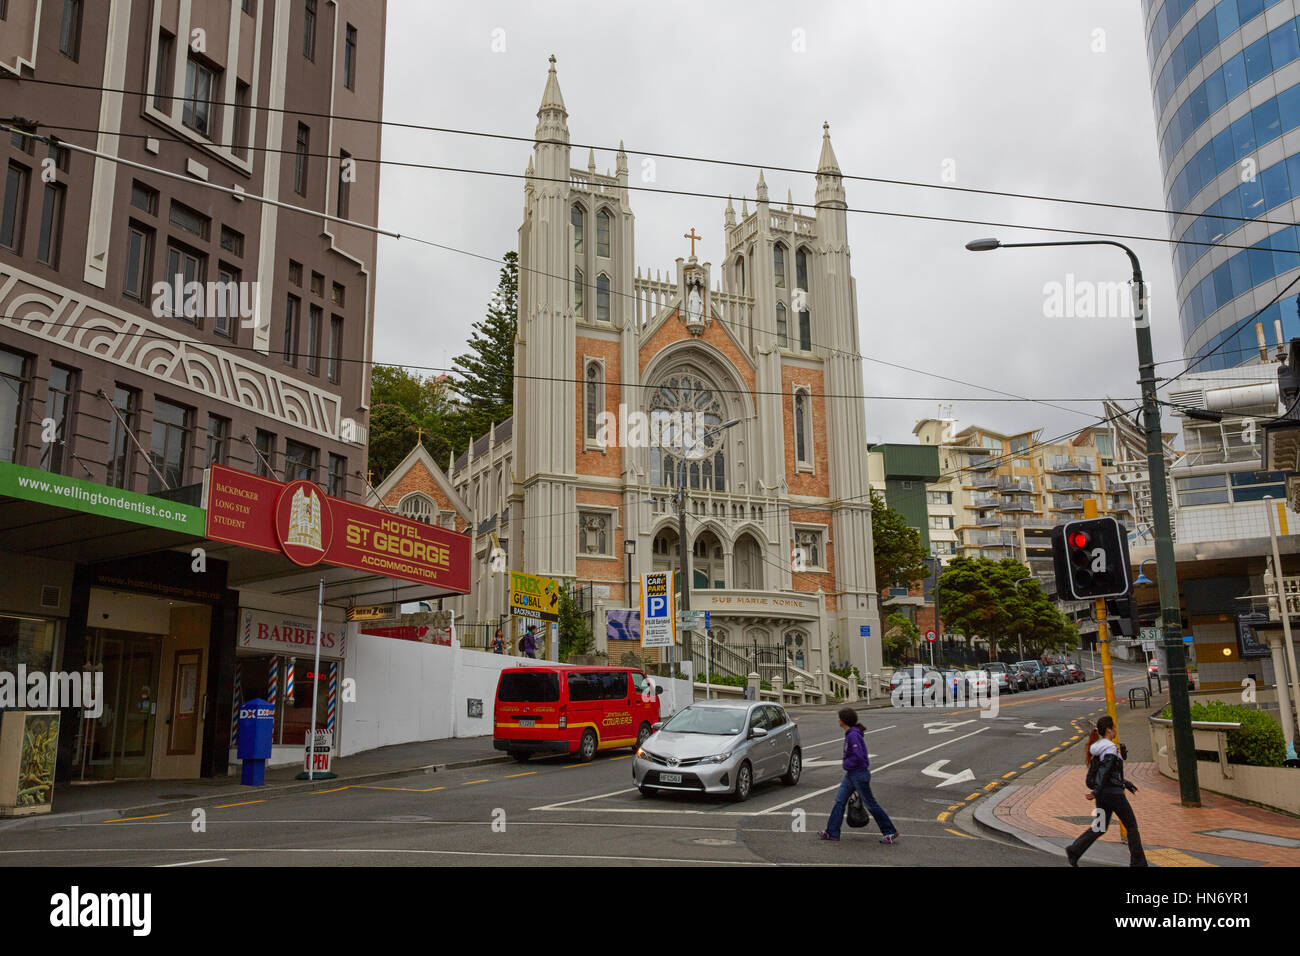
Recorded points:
(629, 549)
(683, 552)
(1166, 571)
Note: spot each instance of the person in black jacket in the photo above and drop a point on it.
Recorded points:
(1108, 790)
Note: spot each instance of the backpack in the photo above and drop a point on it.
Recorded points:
(855, 814)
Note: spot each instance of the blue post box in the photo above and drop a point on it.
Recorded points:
(256, 729)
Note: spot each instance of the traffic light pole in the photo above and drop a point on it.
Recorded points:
(1166, 571)
(1103, 635)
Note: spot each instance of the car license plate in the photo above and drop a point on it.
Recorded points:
(670, 778)
(527, 722)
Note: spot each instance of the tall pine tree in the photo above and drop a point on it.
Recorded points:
(486, 374)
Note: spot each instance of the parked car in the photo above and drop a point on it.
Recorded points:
(1057, 675)
(977, 683)
(720, 746)
(1076, 673)
(911, 683)
(1019, 677)
(567, 709)
(952, 681)
(999, 673)
(1035, 670)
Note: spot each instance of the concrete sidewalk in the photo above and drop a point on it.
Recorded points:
(1048, 810)
(95, 802)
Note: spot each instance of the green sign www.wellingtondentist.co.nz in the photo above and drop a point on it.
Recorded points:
(61, 491)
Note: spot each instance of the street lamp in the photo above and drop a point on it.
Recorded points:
(683, 552)
(1142, 578)
(629, 549)
(1166, 570)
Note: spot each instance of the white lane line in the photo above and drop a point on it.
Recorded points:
(408, 851)
(840, 740)
(215, 859)
(874, 772)
(565, 803)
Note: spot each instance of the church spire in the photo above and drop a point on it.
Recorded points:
(762, 188)
(830, 181)
(551, 98)
(551, 115)
(730, 218)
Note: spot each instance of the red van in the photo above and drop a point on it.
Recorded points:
(567, 709)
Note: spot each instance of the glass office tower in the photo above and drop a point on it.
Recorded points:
(1226, 91)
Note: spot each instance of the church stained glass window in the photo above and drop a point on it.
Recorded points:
(602, 298)
(577, 293)
(680, 395)
(778, 264)
(602, 234)
(577, 218)
(782, 326)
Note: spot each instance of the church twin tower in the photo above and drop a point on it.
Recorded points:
(779, 514)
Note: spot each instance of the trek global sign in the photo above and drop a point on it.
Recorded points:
(309, 527)
(535, 597)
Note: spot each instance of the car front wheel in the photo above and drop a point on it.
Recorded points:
(744, 783)
(642, 734)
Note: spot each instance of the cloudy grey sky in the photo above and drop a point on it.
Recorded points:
(1011, 94)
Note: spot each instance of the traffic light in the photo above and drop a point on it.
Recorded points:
(1091, 558)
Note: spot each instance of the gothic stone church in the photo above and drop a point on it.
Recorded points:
(778, 514)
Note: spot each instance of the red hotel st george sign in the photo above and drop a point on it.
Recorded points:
(309, 527)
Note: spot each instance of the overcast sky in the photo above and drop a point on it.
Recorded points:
(1011, 94)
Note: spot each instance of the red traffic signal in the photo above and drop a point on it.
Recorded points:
(1079, 540)
(1091, 558)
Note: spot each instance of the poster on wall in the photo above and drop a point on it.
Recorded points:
(623, 624)
(29, 742)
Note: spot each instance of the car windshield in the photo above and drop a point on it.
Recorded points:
(717, 721)
(1000, 668)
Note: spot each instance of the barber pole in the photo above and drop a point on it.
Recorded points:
(332, 697)
(237, 699)
(288, 681)
(273, 681)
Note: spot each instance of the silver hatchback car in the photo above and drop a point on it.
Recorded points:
(720, 746)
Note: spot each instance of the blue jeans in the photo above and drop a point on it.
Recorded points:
(859, 780)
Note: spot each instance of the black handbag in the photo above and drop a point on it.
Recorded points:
(855, 814)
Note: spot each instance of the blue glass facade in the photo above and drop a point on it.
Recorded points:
(1249, 76)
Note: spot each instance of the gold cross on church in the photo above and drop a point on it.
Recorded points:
(693, 237)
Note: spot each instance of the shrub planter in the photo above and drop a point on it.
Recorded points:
(1277, 788)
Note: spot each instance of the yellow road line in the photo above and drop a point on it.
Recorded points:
(1026, 766)
(1041, 757)
(1006, 776)
(622, 757)
(335, 790)
(247, 803)
(400, 789)
(991, 785)
(524, 774)
(959, 833)
(152, 816)
(469, 783)
(955, 806)
(570, 766)
(974, 795)
(943, 817)
(1054, 750)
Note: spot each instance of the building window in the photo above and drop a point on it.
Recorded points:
(602, 298)
(577, 218)
(162, 75)
(300, 163)
(59, 410)
(295, 273)
(309, 30)
(232, 241)
(190, 220)
(169, 445)
(13, 384)
(15, 207)
(300, 461)
(4, 9)
(350, 58)
(242, 119)
(315, 320)
(292, 314)
(144, 198)
(802, 428)
(218, 439)
(318, 285)
(70, 29)
(577, 292)
(265, 445)
(121, 446)
(227, 301)
(184, 266)
(939, 497)
(941, 522)
(139, 261)
(782, 326)
(1202, 490)
(740, 274)
(418, 507)
(594, 401)
(805, 331)
(337, 294)
(680, 395)
(602, 233)
(801, 269)
(338, 476)
(336, 348)
(778, 264)
(345, 184)
(593, 533)
(811, 543)
(47, 249)
(200, 81)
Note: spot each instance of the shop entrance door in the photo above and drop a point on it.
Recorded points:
(119, 743)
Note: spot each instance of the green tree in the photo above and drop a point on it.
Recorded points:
(405, 405)
(979, 597)
(900, 637)
(575, 632)
(486, 374)
(899, 551)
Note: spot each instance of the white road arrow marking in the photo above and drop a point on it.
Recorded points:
(948, 778)
(820, 762)
(1042, 730)
(944, 726)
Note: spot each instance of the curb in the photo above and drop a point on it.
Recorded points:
(268, 792)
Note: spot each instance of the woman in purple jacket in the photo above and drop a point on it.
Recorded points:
(857, 776)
